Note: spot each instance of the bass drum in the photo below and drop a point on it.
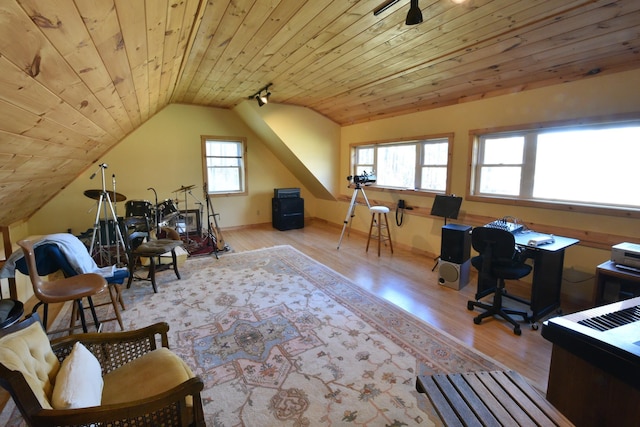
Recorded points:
(138, 208)
(167, 210)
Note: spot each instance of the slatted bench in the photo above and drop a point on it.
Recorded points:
(488, 398)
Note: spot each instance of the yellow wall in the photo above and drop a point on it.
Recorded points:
(306, 141)
(593, 97)
(165, 153)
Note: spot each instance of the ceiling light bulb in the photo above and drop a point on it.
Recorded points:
(265, 98)
(415, 14)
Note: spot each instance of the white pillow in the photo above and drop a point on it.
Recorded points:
(79, 381)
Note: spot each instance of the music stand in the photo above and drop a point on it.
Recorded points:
(446, 207)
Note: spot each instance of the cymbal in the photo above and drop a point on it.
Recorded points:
(184, 188)
(95, 194)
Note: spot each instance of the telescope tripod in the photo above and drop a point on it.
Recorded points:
(103, 252)
(351, 212)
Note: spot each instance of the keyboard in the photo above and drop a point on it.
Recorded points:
(505, 225)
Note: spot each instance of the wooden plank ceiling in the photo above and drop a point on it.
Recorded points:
(76, 76)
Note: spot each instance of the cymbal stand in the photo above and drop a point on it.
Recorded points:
(209, 237)
(108, 209)
(115, 215)
(186, 213)
(351, 212)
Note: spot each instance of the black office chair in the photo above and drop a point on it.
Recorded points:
(497, 261)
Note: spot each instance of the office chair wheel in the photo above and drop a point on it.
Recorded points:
(470, 305)
(477, 320)
(517, 330)
(534, 326)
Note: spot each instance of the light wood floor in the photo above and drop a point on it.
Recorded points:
(405, 279)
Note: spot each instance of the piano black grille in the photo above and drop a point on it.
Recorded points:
(613, 320)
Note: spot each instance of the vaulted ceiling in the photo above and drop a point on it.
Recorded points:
(76, 76)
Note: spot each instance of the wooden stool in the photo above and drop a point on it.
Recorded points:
(383, 232)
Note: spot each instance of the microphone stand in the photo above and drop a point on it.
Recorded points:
(155, 212)
(115, 213)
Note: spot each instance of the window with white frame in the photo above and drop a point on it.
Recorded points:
(224, 165)
(591, 165)
(418, 165)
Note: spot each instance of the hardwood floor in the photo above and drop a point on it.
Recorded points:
(405, 279)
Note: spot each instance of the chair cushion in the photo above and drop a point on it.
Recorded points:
(79, 381)
(28, 351)
(152, 373)
(157, 247)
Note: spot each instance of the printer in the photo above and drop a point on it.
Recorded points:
(626, 254)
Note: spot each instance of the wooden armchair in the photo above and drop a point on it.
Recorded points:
(31, 367)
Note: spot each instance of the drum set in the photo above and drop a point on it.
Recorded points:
(163, 216)
(166, 214)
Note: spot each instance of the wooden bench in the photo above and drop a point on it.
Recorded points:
(495, 398)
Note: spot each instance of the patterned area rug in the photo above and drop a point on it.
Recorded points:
(282, 340)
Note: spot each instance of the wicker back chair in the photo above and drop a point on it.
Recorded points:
(180, 405)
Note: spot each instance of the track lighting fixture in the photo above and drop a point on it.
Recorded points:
(384, 7)
(413, 17)
(262, 96)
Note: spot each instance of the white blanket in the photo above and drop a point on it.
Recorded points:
(72, 248)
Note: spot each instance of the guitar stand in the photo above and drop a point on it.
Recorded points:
(214, 234)
(210, 238)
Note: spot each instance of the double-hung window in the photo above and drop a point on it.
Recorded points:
(224, 165)
(417, 165)
(590, 165)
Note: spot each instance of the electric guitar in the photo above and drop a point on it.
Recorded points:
(214, 227)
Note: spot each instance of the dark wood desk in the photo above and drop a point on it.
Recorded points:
(548, 263)
(608, 270)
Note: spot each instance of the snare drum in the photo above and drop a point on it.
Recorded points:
(167, 210)
(138, 208)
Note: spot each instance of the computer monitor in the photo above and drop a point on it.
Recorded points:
(446, 206)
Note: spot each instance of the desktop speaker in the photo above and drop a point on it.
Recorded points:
(452, 275)
(456, 243)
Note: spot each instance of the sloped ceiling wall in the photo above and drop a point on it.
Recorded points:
(307, 142)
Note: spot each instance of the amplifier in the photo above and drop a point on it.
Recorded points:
(627, 254)
(286, 193)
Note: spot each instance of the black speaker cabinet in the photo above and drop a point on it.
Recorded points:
(288, 213)
(452, 275)
(456, 243)
(108, 232)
